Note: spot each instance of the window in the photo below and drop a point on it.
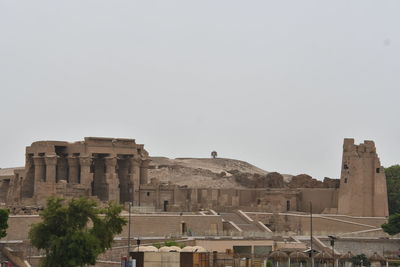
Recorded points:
(288, 205)
(148, 194)
(378, 170)
(345, 180)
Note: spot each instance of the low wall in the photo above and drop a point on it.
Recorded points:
(158, 225)
(322, 224)
(386, 247)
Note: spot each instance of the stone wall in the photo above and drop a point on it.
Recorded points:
(385, 247)
(174, 198)
(171, 225)
(19, 225)
(141, 225)
(321, 199)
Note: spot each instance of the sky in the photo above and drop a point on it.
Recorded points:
(278, 84)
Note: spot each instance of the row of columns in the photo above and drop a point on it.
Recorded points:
(79, 172)
(46, 168)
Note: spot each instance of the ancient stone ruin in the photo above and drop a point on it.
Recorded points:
(113, 169)
(362, 182)
(106, 168)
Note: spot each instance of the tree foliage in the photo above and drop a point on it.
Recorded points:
(392, 173)
(393, 188)
(74, 233)
(3, 222)
(392, 227)
(360, 260)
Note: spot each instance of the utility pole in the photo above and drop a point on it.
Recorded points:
(332, 238)
(311, 236)
(129, 230)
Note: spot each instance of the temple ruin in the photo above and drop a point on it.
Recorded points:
(363, 181)
(114, 169)
(106, 168)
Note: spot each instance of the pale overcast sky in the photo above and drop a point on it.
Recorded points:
(276, 83)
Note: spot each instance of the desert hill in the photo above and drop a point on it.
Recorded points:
(200, 172)
(226, 173)
(219, 173)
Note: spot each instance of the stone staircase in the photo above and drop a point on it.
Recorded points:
(241, 223)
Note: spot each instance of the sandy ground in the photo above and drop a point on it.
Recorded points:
(200, 172)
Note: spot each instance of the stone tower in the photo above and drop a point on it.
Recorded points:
(363, 182)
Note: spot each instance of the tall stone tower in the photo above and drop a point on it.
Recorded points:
(363, 182)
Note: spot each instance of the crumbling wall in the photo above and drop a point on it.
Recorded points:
(14, 190)
(363, 181)
(28, 182)
(255, 180)
(305, 181)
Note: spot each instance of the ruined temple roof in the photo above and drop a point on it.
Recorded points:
(8, 172)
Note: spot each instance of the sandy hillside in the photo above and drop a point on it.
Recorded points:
(200, 172)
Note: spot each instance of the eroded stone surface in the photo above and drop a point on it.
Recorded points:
(363, 182)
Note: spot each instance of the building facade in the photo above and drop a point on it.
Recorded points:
(109, 169)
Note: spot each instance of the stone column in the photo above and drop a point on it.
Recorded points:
(143, 171)
(86, 176)
(111, 179)
(134, 179)
(111, 163)
(73, 170)
(124, 180)
(40, 171)
(51, 166)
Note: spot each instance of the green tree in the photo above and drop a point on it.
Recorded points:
(74, 233)
(3, 222)
(360, 260)
(392, 227)
(393, 188)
